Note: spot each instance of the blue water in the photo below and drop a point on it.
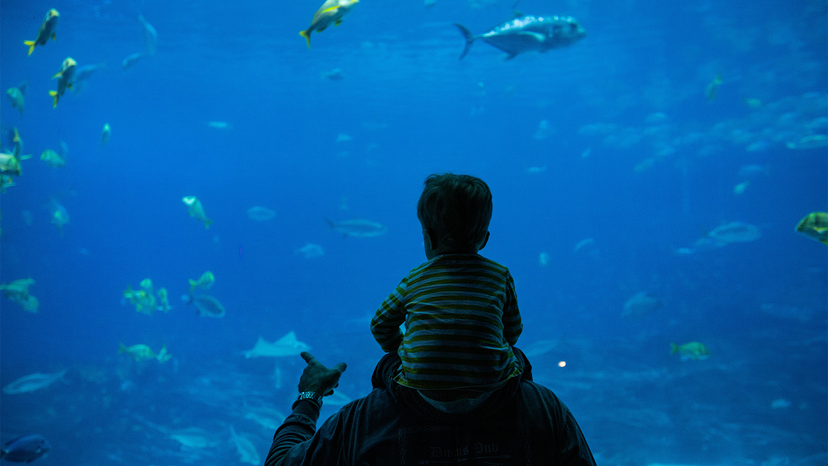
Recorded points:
(611, 139)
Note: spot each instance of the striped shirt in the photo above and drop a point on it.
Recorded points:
(461, 320)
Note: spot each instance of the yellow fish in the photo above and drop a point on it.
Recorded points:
(331, 12)
(815, 225)
(47, 29)
(64, 77)
(693, 350)
(196, 210)
(205, 281)
(137, 352)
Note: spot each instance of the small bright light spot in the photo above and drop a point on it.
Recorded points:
(562, 364)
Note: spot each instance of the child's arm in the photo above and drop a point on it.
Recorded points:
(385, 326)
(512, 325)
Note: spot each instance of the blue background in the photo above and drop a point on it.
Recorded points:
(657, 175)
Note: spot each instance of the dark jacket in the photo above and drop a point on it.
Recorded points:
(522, 423)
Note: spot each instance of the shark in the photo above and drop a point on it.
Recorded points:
(288, 345)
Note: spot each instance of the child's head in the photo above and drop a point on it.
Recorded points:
(455, 211)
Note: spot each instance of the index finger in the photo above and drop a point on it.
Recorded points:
(307, 357)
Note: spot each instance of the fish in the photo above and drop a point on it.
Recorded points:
(331, 12)
(734, 232)
(205, 281)
(245, 448)
(207, 305)
(814, 225)
(193, 437)
(712, 88)
(150, 36)
(310, 250)
(333, 74)
(47, 30)
(814, 141)
(219, 124)
(17, 95)
(526, 34)
(53, 158)
(10, 165)
(642, 303)
(693, 350)
(196, 210)
(60, 216)
(25, 449)
(163, 356)
(266, 417)
(288, 345)
(105, 133)
(358, 228)
(751, 172)
(143, 300)
(17, 288)
(260, 214)
(741, 187)
(82, 75)
(64, 77)
(29, 303)
(33, 382)
(139, 352)
(162, 297)
(131, 60)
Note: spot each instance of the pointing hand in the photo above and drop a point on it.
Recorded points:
(317, 378)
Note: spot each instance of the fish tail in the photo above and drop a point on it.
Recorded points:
(673, 348)
(31, 45)
(469, 39)
(54, 95)
(122, 349)
(306, 35)
(207, 223)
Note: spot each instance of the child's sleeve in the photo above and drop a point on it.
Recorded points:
(512, 325)
(385, 326)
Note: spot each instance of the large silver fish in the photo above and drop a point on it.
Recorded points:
(288, 345)
(358, 228)
(33, 382)
(528, 33)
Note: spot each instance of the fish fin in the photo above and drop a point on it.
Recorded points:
(328, 10)
(824, 241)
(70, 85)
(306, 35)
(54, 36)
(322, 29)
(31, 45)
(673, 348)
(54, 94)
(510, 56)
(207, 223)
(469, 39)
(338, 22)
(122, 349)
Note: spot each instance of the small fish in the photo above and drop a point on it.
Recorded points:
(64, 77)
(164, 303)
(310, 250)
(815, 225)
(193, 437)
(150, 36)
(713, 87)
(642, 303)
(17, 288)
(219, 124)
(53, 158)
(288, 345)
(47, 29)
(206, 305)
(334, 75)
(733, 232)
(60, 216)
(33, 382)
(741, 187)
(543, 259)
(693, 350)
(131, 60)
(196, 210)
(260, 214)
(358, 228)
(82, 75)
(245, 448)
(10, 165)
(25, 449)
(139, 352)
(331, 12)
(163, 356)
(143, 300)
(814, 141)
(204, 282)
(527, 33)
(17, 95)
(107, 130)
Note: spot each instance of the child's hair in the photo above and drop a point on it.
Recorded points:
(456, 209)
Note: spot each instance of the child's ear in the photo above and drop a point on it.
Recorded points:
(428, 239)
(485, 240)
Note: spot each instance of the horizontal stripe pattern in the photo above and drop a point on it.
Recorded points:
(461, 318)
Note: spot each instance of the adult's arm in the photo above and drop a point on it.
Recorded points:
(300, 426)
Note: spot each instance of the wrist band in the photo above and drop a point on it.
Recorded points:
(313, 396)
